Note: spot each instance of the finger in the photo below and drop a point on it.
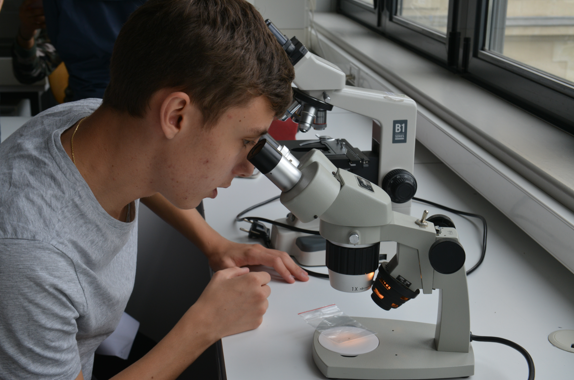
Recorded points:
(266, 290)
(262, 278)
(234, 272)
(298, 272)
(287, 268)
(271, 258)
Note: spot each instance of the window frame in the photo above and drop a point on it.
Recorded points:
(462, 51)
(361, 12)
(418, 37)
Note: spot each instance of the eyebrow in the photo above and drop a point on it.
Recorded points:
(258, 131)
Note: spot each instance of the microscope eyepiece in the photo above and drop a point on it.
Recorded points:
(281, 38)
(293, 47)
(265, 157)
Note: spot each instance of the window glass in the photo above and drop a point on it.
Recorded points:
(539, 33)
(368, 2)
(432, 14)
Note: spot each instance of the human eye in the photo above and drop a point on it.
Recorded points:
(249, 143)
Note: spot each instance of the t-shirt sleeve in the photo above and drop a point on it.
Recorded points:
(40, 301)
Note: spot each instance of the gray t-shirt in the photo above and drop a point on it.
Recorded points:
(67, 268)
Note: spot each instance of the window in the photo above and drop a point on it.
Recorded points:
(537, 33)
(522, 50)
(428, 14)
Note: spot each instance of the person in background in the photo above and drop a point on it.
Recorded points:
(33, 56)
(80, 33)
(194, 85)
(84, 33)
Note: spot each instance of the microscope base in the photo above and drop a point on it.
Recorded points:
(284, 239)
(406, 351)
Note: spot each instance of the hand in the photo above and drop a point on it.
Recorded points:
(231, 254)
(31, 18)
(234, 301)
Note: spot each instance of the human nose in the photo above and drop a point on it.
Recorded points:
(244, 168)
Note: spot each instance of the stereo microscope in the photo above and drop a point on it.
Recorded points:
(354, 216)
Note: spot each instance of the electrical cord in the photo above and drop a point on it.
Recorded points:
(484, 229)
(238, 218)
(250, 219)
(293, 228)
(315, 274)
(522, 350)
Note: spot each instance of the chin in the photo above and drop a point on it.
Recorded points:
(188, 204)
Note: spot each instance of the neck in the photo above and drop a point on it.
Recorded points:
(110, 154)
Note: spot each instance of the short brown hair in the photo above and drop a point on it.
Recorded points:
(220, 52)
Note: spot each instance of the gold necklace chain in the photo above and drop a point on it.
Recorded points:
(72, 140)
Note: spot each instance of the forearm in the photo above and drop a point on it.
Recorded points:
(234, 301)
(188, 222)
(174, 353)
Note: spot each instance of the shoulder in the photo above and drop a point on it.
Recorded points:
(35, 179)
(60, 116)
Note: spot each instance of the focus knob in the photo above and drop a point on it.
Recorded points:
(400, 185)
(352, 261)
(447, 256)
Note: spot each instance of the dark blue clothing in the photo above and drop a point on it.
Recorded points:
(84, 32)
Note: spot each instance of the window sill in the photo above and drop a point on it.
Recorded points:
(520, 163)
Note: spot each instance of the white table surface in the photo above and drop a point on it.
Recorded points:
(520, 292)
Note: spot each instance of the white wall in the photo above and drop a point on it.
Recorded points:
(289, 16)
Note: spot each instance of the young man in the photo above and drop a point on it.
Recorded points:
(194, 84)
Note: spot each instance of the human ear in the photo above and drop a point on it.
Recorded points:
(172, 113)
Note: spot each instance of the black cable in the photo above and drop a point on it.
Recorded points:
(315, 274)
(484, 229)
(297, 229)
(238, 218)
(509, 343)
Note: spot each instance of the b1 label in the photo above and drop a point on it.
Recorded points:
(399, 131)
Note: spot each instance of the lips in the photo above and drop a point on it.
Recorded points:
(214, 192)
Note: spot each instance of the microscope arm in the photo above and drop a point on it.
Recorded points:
(423, 271)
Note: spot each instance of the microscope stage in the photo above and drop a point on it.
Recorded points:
(406, 350)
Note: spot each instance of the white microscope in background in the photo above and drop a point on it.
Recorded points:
(354, 216)
(320, 85)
